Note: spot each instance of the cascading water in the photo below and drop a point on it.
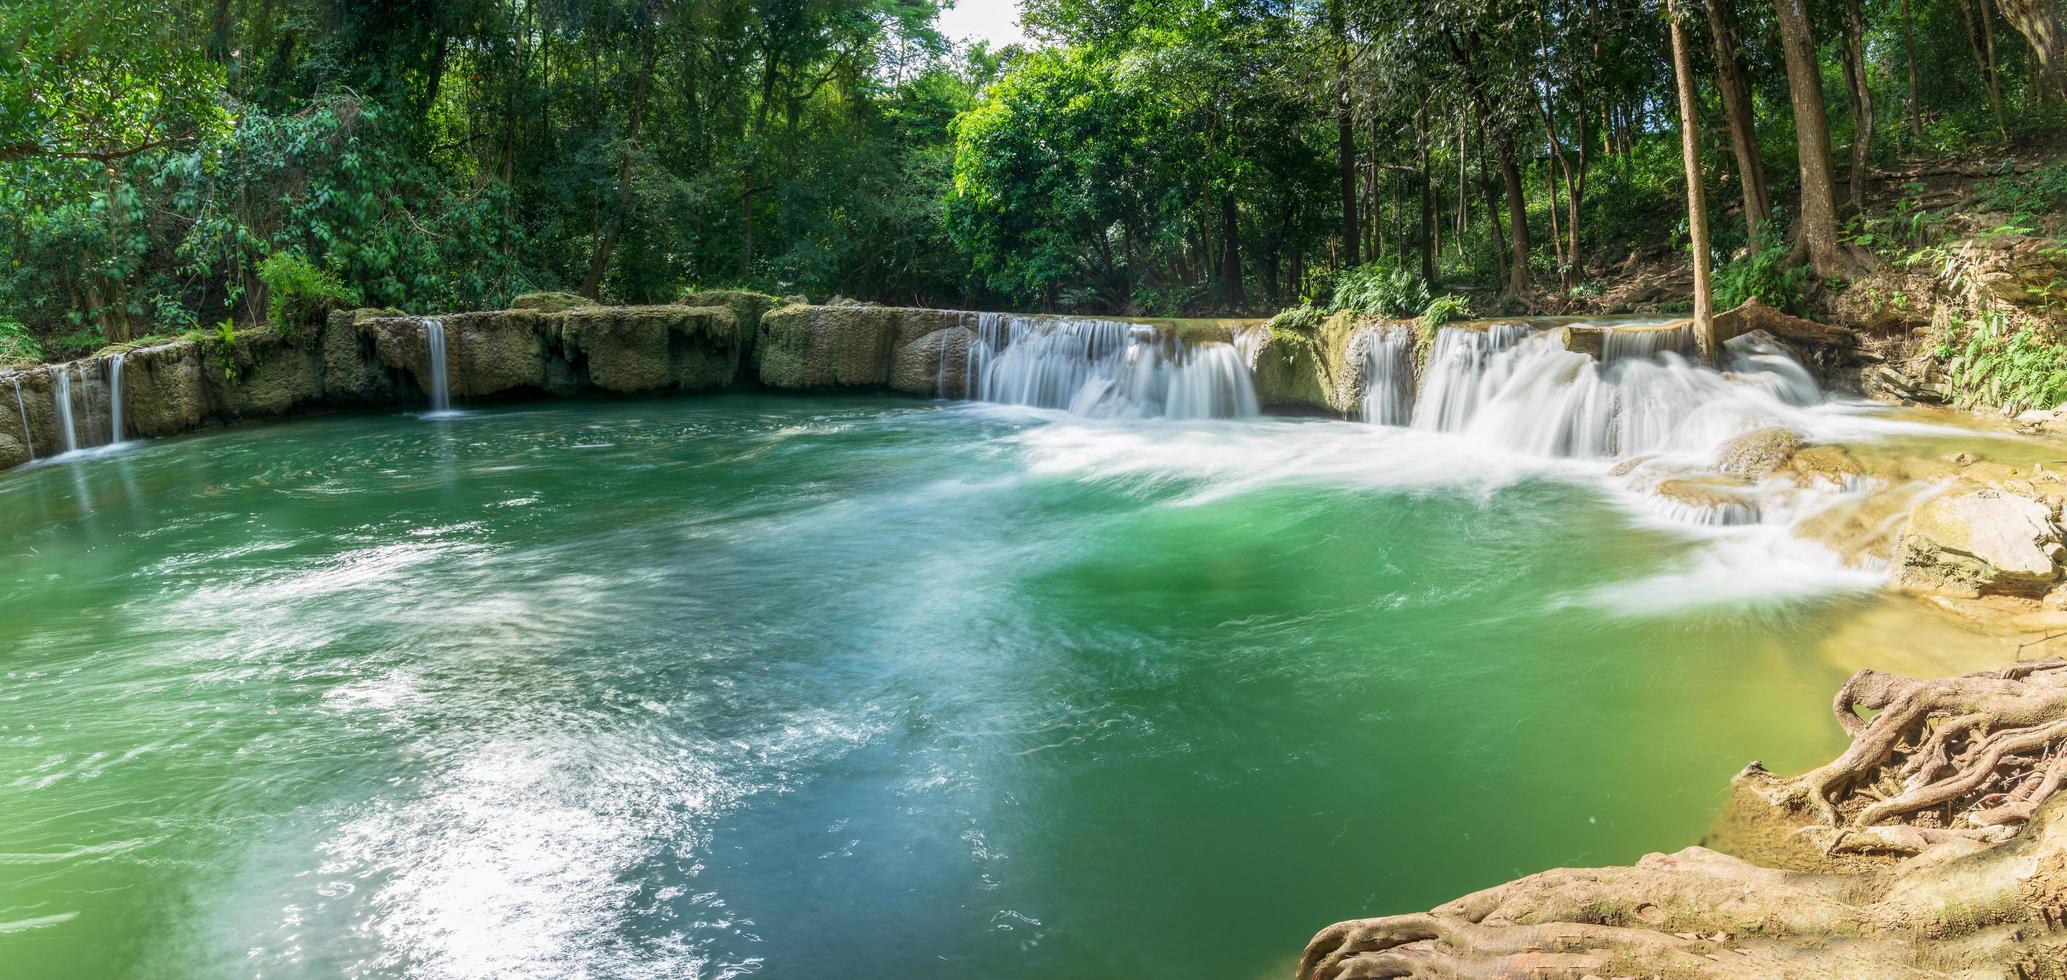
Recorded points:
(1520, 389)
(22, 411)
(441, 392)
(115, 399)
(1463, 370)
(1388, 358)
(1104, 369)
(61, 395)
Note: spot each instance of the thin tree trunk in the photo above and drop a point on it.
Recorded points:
(1427, 239)
(1697, 203)
(1230, 253)
(1980, 35)
(1915, 100)
(1852, 53)
(1345, 132)
(1737, 110)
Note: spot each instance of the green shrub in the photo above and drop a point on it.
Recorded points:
(1381, 290)
(1764, 274)
(298, 294)
(16, 344)
(1443, 309)
(1303, 317)
(2016, 369)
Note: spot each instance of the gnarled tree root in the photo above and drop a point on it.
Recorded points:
(1948, 794)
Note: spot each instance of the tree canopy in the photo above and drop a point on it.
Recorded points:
(1163, 157)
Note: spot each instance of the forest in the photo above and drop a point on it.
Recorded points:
(166, 163)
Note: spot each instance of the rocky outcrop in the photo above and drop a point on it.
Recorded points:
(1758, 453)
(1971, 541)
(1317, 367)
(910, 350)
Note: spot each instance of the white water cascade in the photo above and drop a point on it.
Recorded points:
(1388, 357)
(1519, 388)
(1105, 369)
(115, 399)
(22, 411)
(61, 395)
(441, 392)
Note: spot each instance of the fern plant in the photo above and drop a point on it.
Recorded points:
(1993, 363)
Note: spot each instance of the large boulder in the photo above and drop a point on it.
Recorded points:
(262, 372)
(165, 390)
(1758, 453)
(649, 348)
(1970, 542)
(804, 347)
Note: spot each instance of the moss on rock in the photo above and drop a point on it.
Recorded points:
(551, 302)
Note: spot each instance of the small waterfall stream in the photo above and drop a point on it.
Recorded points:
(1388, 357)
(441, 391)
(1105, 369)
(115, 399)
(22, 411)
(61, 396)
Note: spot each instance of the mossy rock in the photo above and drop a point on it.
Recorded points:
(1315, 367)
(551, 302)
(746, 305)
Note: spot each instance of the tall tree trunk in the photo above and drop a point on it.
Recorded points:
(2045, 30)
(1230, 253)
(599, 258)
(1517, 217)
(1852, 53)
(1915, 100)
(1817, 227)
(1697, 199)
(1732, 79)
(1427, 238)
(1980, 36)
(1345, 132)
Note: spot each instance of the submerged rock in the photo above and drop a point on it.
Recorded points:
(1980, 541)
(1827, 466)
(1707, 500)
(1757, 454)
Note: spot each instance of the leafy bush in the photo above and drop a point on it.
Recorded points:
(1303, 317)
(1380, 290)
(1764, 274)
(1992, 364)
(1444, 309)
(298, 294)
(16, 344)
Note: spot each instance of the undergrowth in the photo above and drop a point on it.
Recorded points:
(1992, 362)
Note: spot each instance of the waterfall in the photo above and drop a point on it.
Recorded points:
(1462, 370)
(1516, 388)
(441, 394)
(1624, 345)
(1105, 369)
(1388, 359)
(61, 395)
(22, 410)
(115, 399)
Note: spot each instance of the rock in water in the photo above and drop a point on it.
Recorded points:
(1756, 454)
(1979, 541)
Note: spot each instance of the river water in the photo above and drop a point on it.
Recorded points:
(856, 687)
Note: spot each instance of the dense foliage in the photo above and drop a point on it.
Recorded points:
(1163, 157)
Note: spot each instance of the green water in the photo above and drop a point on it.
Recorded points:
(856, 688)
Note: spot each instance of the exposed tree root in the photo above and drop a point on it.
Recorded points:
(1945, 804)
